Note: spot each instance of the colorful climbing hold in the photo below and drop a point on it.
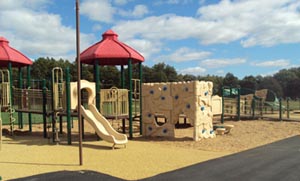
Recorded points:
(188, 106)
(165, 131)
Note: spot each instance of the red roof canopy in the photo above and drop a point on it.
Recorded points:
(9, 54)
(110, 51)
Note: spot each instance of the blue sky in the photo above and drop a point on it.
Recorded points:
(199, 37)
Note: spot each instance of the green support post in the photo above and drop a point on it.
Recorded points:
(122, 77)
(44, 108)
(222, 115)
(98, 85)
(141, 100)
(130, 97)
(11, 119)
(68, 102)
(253, 103)
(288, 107)
(20, 115)
(28, 86)
(239, 104)
(280, 109)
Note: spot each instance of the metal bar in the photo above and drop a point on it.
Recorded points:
(130, 97)
(28, 86)
(44, 109)
(140, 97)
(97, 80)
(20, 115)
(68, 101)
(78, 81)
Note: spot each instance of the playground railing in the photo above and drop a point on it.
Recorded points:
(114, 102)
(31, 100)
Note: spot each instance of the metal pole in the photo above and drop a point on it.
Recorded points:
(239, 104)
(280, 109)
(28, 86)
(130, 97)
(68, 106)
(222, 115)
(11, 119)
(44, 109)
(78, 80)
(140, 97)
(97, 80)
(122, 77)
(20, 115)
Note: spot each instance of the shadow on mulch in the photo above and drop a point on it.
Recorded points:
(70, 175)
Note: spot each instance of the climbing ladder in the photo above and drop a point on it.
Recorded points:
(5, 102)
(58, 87)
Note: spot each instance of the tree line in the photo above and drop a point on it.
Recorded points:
(285, 83)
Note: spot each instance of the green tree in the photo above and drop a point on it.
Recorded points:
(249, 82)
(230, 80)
(272, 84)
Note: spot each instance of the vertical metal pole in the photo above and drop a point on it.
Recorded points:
(44, 108)
(280, 109)
(122, 77)
(11, 99)
(20, 115)
(68, 106)
(222, 115)
(253, 105)
(239, 104)
(140, 97)
(28, 86)
(130, 97)
(78, 81)
(288, 107)
(97, 80)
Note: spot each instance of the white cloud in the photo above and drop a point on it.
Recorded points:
(272, 63)
(96, 10)
(144, 47)
(184, 54)
(138, 11)
(193, 71)
(19, 4)
(160, 2)
(120, 2)
(96, 27)
(38, 33)
(215, 63)
(256, 22)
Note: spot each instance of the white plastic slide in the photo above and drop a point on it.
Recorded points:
(102, 127)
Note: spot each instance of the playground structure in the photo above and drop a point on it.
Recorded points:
(192, 99)
(58, 98)
(253, 104)
(61, 100)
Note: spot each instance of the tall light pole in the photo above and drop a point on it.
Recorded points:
(78, 81)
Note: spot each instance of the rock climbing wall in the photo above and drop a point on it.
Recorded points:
(192, 99)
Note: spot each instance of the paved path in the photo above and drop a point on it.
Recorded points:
(276, 161)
